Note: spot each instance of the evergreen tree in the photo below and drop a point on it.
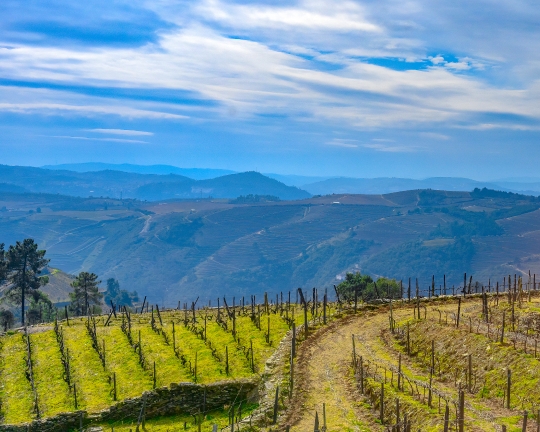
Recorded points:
(3, 264)
(85, 293)
(24, 266)
(113, 291)
(40, 309)
(118, 296)
(6, 319)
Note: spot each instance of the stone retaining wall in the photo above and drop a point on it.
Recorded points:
(177, 399)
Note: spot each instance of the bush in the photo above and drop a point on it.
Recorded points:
(367, 288)
(7, 319)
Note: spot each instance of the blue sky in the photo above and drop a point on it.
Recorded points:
(410, 88)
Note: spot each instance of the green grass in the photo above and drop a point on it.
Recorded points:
(53, 392)
(169, 369)
(16, 393)
(209, 369)
(93, 389)
(131, 378)
(94, 381)
(176, 423)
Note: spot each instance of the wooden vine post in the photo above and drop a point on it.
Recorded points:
(276, 405)
(398, 427)
(291, 376)
(154, 377)
(361, 375)
(446, 418)
(470, 373)
(508, 387)
(293, 342)
(461, 411)
(353, 353)
(252, 356)
(325, 303)
(381, 405)
(502, 328)
(408, 340)
(115, 393)
(227, 359)
(304, 303)
(391, 318)
(458, 312)
(399, 374)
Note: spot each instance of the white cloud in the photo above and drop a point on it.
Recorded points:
(435, 135)
(437, 60)
(126, 132)
(88, 110)
(342, 16)
(82, 138)
(390, 148)
(347, 143)
(271, 70)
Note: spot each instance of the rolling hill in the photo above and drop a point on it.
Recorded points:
(174, 250)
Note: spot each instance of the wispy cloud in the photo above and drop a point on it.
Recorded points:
(88, 110)
(347, 68)
(82, 138)
(390, 148)
(341, 17)
(126, 132)
(347, 143)
(434, 135)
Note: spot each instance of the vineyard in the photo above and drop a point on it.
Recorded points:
(467, 360)
(91, 363)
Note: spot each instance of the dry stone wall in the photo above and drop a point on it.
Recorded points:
(181, 398)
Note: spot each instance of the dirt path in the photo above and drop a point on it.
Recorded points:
(322, 367)
(322, 376)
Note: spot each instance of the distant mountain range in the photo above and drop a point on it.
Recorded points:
(151, 187)
(193, 173)
(384, 185)
(324, 185)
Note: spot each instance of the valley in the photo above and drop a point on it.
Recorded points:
(173, 250)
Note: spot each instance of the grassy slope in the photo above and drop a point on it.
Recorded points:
(131, 379)
(53, 392)
(16, 393)
(87, 372)
(94, 382)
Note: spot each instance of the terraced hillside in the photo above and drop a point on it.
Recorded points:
(90, 363)
(465, 362)
(435, 371)
(174, 250)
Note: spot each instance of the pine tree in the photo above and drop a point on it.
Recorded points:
(85, 293)
(24, 266)
(3, 264)
(6, 319)
(118, 296)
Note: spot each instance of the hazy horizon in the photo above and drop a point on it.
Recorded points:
(291, 174)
